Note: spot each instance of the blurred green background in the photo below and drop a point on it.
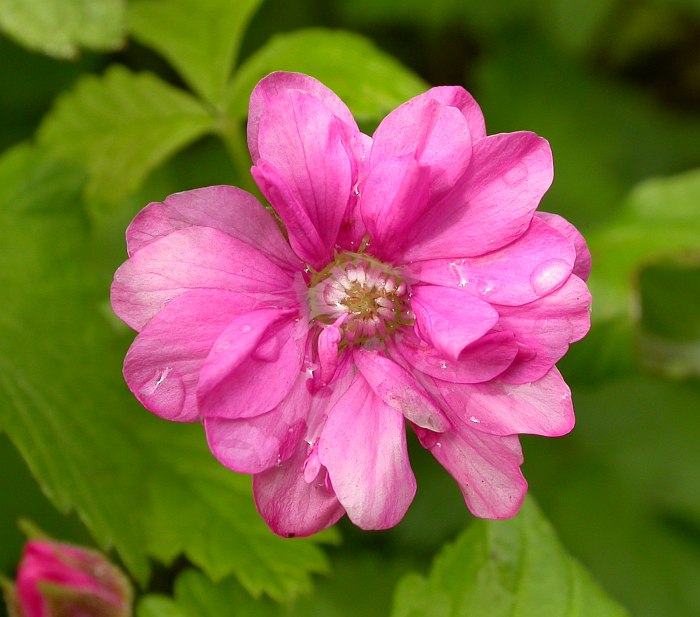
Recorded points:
(614, 85)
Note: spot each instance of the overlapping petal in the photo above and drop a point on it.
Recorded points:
(582, 266)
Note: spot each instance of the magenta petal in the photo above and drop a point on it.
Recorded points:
(363, 446)
(275, 87)
(308, 148)
(398, 389)
(163, 363)
(542, 407)
(225, 208)
(194, 258)
(486, 468)
(458, 97)
(252, 445)
(529, 268)
(450, 318)
(493, 202)
(481, 361)
(328, 341)
(291, 506)
(252, 366)
(582, 266)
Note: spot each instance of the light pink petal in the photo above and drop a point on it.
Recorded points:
(225, 208)
(582, 267)
(458, 97)
(450, 318)
(290, 505)
(352, 230)
(194, 258)
(252, 445)
(162, 365)
(363, 447)
(486, 468)
(308, 149)
(252, 366)
(396, 193)
(481, 361)
(275, 87)
(529, 268)
(328, 341)
(542, 407)
(491, 205)
(397, 388)
(545, 328)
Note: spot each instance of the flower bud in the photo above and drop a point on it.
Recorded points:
(61, 580)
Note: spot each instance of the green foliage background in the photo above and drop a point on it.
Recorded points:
(106, 105)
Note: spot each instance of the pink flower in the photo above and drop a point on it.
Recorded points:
(55, 579)
(412, 284)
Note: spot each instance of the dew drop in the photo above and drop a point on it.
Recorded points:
(474, 419)
(549, 275)
(443, 364)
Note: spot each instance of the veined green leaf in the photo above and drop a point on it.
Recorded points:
(60, 27)
(371, 82)
(505, 568)
(121, 126)
(199, 38)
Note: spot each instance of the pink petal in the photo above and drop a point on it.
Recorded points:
(225, 208)
(540, 408)
(458, 97)
(291, 506)
(493, 202)
(253, 365)
(582, 266)
(252, 445)
(397, 388)
(328, 341)
(363, 446)
(306, 170)
(529, 268)
(194, 258)
(162, 365)
(450, 318)
(486, 468)
(481, 361)
(545, 328)
(275, 87)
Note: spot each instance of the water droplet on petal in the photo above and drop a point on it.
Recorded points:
(549, 275)
(474, 419)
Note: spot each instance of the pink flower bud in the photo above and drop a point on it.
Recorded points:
(55, 579)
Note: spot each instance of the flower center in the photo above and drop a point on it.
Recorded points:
(370, 296)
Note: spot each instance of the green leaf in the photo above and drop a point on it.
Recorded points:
(505, 568)
(370, 82)
(199, 38)
(120, 127)
(142, 485)
(154, 605)
(658, 220)
(60, 27)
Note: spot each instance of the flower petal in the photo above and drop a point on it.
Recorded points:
(481, 361)
(397, 388)
(486, 468)
(194, 258)
(456, 96)
(545, 328)
(291, 506)
(162, 365)
(309, 151)
(493, 202)
(582, 266)
(253, 365)
(252, 445)
(363, 446)
(539, 408)
(527, 269)
(225, 208)
(450, 318)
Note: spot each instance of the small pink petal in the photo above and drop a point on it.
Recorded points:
(540, 408)
(252, 366)
(328, 341)
(397, 388)
(450, 318)
(458, 97)
(492, 204)
(194, 258)
(527, 269)
(582, 266)
(486, 468)
(290, 505)
(363, 446)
